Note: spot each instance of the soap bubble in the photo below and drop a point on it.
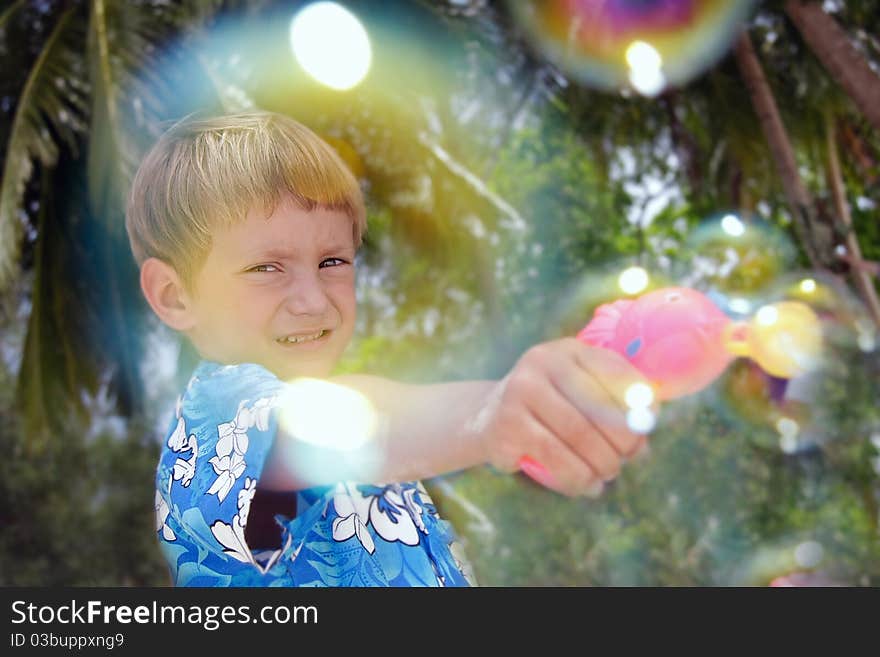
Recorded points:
(832, 401)
(735, 258)
(644, 45)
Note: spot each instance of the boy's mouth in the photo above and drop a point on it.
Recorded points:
(299, 339)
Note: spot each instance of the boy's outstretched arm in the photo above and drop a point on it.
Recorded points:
(561, 405)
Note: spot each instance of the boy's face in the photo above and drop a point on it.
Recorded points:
(278, 292)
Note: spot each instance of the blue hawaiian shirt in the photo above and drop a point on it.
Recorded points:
(344, 535)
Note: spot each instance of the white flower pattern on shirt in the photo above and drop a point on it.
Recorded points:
(229, 463)
(391, 510)
(162, 512)
(179, 442)
(232, 538)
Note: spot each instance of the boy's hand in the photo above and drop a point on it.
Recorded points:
(563, 406)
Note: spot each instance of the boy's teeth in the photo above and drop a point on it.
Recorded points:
(302, 338)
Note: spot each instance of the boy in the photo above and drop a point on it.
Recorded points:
(245, 228)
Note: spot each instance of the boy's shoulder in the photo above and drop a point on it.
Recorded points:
(223, 424)
(243, 381)
(219, 401)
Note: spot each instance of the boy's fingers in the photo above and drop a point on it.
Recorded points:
(571, 427)
(582, 388)
(559, 468)
(627, 389)
(612, 371)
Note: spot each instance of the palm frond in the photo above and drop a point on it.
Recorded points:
(125, 41)
(45, 106)
(129, 98)
(9, 12)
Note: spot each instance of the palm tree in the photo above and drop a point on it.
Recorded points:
(84, 78)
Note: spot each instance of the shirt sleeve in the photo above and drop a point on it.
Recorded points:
(225, 428)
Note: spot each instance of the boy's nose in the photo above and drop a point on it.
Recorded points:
(306, 296)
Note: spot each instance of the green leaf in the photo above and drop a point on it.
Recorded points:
(43, 107)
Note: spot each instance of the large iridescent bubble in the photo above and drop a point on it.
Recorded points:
(645, 45)
(735, 258)
(831, 402)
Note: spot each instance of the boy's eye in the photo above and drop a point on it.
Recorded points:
(332, 262)
(264, 268)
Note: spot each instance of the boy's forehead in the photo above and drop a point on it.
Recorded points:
(289, 229)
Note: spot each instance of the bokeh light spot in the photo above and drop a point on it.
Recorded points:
(640, 420)
(331, 45)
(808, 554)
(328, 415)
(732, 225)
(639, 395)
(787, 427)
(767, 316)
(740, 305)
(866, 339)
(641, 55)
(808, 286)
(645, 64)
(633, 280)
(788, 444)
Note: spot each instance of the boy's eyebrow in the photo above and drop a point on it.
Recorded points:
(274, 252)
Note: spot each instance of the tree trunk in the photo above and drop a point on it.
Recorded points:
(799, 200)
(834, 49)
(835, 181)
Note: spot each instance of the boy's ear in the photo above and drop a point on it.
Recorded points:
(166, 294)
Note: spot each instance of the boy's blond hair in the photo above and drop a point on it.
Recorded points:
(206, 173)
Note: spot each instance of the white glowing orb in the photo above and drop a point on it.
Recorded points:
(808, 286)
(327, 414)
(641, 55)
(645, 68)
(767, 315)
(633, 280)
(640, 420)
(647, 82)
(331, 45)
(639, 395)
(732, 225)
